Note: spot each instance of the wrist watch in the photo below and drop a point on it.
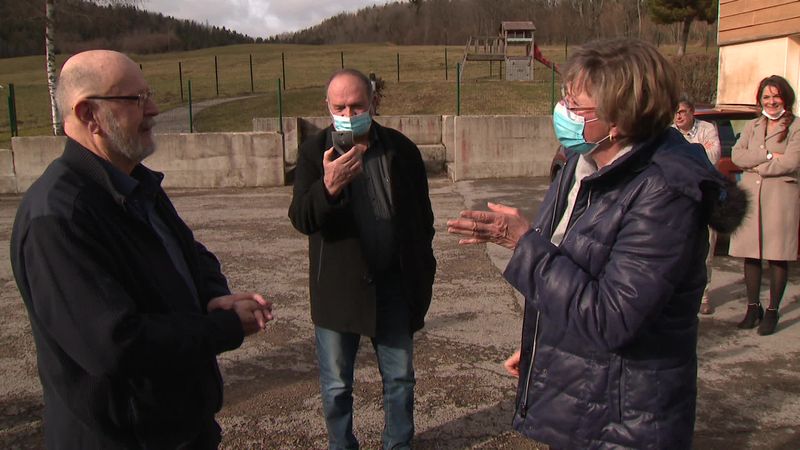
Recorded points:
(769, 155)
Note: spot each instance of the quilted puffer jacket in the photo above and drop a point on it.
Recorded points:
(610, 328)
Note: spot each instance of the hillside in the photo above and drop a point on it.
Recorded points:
(81, 25)
(448, 22)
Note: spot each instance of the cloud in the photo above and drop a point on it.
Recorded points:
(257, 18)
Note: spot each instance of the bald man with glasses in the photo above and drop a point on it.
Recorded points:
(128, 311)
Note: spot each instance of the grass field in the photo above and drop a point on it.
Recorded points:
(422, 88)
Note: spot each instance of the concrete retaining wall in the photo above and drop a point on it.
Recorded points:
(471, 147)
(32, 155)
(422, 130)
(199, 160)
(8, 180)
(210, 160)
(502, 146)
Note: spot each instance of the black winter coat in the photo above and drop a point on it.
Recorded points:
(610, 328)
(126, 357)
(341, 284)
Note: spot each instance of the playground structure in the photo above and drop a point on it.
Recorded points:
(515, 48)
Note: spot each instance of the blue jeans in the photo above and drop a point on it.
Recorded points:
(336, 353)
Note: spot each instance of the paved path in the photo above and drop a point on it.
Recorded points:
(176, 120)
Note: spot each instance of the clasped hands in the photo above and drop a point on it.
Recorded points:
(501, 225)
(339, 172)
(253, 310)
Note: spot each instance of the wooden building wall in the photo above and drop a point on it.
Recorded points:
(752, 20)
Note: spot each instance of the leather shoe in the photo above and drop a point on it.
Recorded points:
(753, 316)
(769, 323)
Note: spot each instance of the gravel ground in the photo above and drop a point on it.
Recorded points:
(748, 389)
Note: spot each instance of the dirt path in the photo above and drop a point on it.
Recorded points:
(176, 120)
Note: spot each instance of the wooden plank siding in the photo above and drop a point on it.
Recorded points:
(751, 20)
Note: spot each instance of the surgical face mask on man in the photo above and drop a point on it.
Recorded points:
(358, 124)
(569, 126)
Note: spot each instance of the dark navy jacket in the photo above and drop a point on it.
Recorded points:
(126, 353)
(610, 329)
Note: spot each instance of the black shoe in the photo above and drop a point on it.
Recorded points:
(769, 323)
(753, 316)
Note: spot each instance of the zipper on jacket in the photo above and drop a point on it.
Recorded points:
(524, 403)
(588, 204)
(524, 406)
(319, 267)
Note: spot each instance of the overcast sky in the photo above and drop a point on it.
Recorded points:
(257, 18)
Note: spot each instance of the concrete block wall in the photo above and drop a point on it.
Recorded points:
(470, 147)
(199, 160)
(502, 146)
(211, 160)
(32, 155)
(425, 131)
(8, 180)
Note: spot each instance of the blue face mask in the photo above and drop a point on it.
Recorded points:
(569, 126)
(358, 124)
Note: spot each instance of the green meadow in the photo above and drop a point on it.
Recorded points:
(421, 89)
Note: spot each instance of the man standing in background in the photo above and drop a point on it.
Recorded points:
(367, 213)
(704, 133)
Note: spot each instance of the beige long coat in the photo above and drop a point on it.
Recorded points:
(770, 228)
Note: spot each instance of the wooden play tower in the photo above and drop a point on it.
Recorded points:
(514, 48)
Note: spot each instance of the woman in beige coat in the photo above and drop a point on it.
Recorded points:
(768, 152)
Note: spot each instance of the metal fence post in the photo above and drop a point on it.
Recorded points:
(445, 64)
(180, 78)
(216, 75)
(458, 89)
(191, 122)
(252, 87)
(283, 70)
(341, 55)
(12, 111)
(280, 108)
(398, 67)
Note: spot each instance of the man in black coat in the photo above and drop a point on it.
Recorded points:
(127, 310)
(368, 216)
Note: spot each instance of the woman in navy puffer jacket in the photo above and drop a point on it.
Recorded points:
(612, 268)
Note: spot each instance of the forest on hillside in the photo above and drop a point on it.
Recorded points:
(123, 25)
(82, 25)
(437, 22)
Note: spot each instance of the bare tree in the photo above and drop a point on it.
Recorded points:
(50, 53)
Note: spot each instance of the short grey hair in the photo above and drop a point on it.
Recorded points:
(353, 73)
(71, 81)
(686, 100)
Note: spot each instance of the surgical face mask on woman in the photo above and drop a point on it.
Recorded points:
(773, 116)
(358, 124)
(569, 127)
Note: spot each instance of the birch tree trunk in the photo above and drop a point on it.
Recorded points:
(50, 51)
